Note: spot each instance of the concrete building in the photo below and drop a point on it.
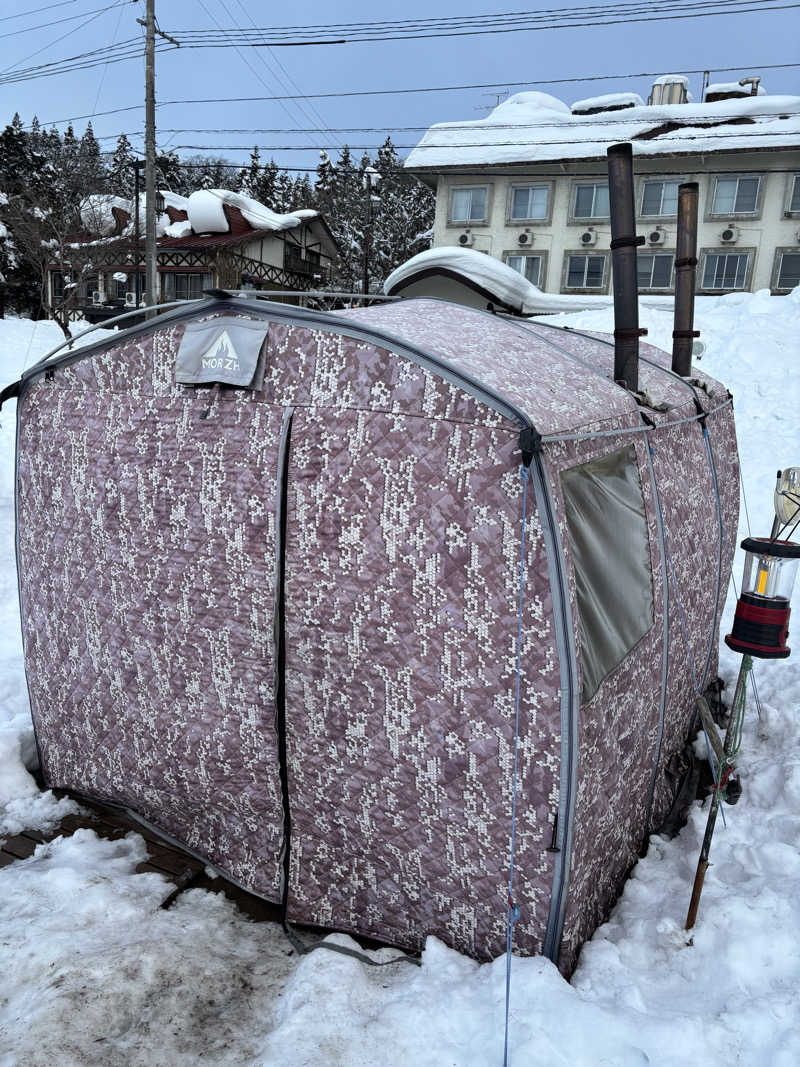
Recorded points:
(528, 185)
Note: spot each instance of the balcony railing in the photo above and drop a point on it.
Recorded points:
(300, 265)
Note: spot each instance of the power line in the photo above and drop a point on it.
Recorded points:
(424, 89)
(37, 10)
(56, 22)
(653, 14)
(459, 21)
(495, 144)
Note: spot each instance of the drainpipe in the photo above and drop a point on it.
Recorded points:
(683, 332)
(623, 258)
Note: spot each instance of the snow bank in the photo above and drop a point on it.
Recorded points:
(207, 216)
(535, 127)
(96, 973)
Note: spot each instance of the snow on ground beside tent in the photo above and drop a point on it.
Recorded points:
(95, 973)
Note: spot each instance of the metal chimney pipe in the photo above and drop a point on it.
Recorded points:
(623, 258)
(683, 332)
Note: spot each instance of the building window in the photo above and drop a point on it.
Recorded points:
(654, 269)
(787, 272)
(736, 196)
(660, 199)
(794, 194)
(468, 203)
(57, 286)
(585, 272)
(181, 286)
(725, 270)
(591, 201)
(530, 266)
(529, 203)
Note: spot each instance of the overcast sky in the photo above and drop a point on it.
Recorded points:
(746, 40)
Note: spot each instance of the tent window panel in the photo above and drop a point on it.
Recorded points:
(611, 555)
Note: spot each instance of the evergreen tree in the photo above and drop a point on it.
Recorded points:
(90, 161)
(250, 176)
(120, 176)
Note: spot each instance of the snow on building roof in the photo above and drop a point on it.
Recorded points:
(96, 212)
(207, 215)
(535, 127)
(607, 102)
(733, 87)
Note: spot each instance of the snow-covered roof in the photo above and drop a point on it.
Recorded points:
(536, 127)
(206, 214)
(606, 102)
(508, 286)
(204, 208)
(733, 87)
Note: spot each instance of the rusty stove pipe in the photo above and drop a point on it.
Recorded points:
(623, 258)
(683, 332)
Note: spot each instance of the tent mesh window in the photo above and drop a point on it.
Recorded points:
(611, 555)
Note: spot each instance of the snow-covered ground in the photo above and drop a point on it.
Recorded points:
(92, 972)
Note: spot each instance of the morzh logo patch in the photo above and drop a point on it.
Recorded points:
(221, 355)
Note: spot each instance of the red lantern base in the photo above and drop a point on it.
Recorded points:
(760, 627)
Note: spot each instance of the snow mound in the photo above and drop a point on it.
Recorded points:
(606, 102)
(206, 215)
(504, 283)
(96, 212)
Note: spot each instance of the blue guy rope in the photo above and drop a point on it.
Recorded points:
(512, 911)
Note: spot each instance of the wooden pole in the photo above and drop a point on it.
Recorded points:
(151, 271)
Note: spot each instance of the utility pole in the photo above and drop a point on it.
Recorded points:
(150, 253)
(151, 267)
(137, 254)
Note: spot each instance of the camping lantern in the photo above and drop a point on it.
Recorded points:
(761, 622)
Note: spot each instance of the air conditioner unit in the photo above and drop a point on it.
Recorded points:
(525, 238)
(97, 297)
(130, 300)
(658, 236)
(589, 237)
(730, 235)
(465, 239)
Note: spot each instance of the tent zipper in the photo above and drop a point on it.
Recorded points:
(561, 846)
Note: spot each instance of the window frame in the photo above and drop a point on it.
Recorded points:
(583, 220)
(548, 215)
(670, 253)
(466, 224)
(792, 184)
(644, 180)
(586, 289)
(725, 250)
(528, 255)
(203, 274)
(780, 252)
(714, 216)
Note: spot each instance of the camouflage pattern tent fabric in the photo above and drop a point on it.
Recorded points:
(279, 622)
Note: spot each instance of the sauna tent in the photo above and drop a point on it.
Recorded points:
(270, 563)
